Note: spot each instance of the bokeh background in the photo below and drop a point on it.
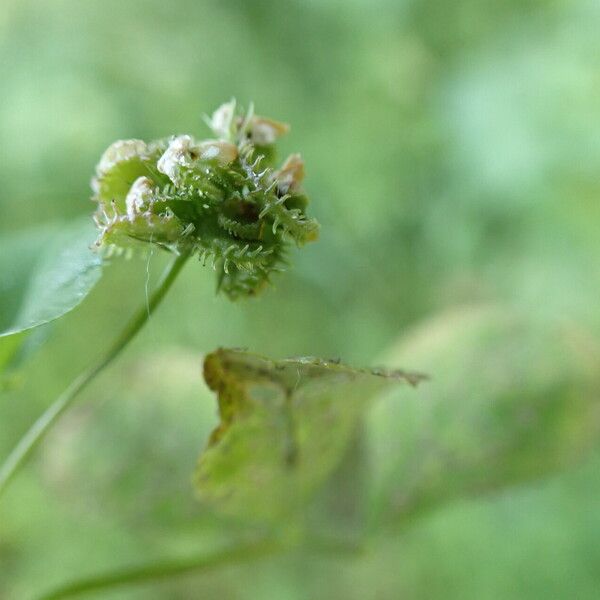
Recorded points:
(453, 159)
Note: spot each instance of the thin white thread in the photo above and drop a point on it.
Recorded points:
(147, 285)
(297, 380)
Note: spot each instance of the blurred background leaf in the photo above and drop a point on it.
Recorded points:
(511, 400)
(452, 158)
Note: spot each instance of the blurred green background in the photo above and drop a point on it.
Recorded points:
(453, 158)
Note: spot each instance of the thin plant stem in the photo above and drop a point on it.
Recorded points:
(43, 424)
(157, 571)
(164, 570)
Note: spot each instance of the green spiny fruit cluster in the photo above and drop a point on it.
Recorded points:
(223, 199)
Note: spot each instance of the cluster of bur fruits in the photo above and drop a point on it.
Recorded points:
(224, 199)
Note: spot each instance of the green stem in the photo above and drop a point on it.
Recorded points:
(37, 431)
(164, 570)
(167, 569)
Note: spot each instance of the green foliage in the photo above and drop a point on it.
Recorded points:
(46, 272)
(454, 147)
(533, 409)
(221, 198)
(285, 425)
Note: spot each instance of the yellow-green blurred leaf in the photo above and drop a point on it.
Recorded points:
(284, 427)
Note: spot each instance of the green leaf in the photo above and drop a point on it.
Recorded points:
(284, 426)
(509, 400)
(45, 273)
